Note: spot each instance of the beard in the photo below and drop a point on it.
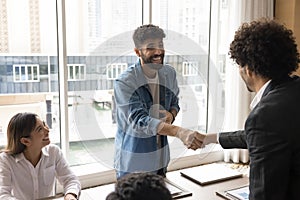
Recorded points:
(150, 61)
(249, 88)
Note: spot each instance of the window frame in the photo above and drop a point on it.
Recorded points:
(32, 70)
(189, 68)
(72, 75)
(113, 70)
(211, 153)
(101, 174)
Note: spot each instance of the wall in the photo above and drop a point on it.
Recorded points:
(286, 12)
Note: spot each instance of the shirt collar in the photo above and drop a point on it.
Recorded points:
(259, 95)
(19, 157)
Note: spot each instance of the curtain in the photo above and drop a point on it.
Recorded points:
(237, 97)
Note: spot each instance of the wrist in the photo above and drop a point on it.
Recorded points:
(211, 138)
(70, 196)
(173, 115)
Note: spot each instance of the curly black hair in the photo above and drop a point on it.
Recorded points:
(137, 186)
(145, 32)
(266, 47)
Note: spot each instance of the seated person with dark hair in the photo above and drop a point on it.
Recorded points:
(30, 165)
(137, 186)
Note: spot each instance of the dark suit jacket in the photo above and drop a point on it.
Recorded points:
(272, 136)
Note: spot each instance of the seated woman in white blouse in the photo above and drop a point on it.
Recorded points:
(29, 165)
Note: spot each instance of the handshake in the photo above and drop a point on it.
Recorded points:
(194, 139)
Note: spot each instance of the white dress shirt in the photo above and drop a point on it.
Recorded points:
(19, 179)
(258, 95)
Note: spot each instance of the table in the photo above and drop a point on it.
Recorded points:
(207, 192)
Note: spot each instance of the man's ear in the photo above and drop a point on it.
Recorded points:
(25, 141)
(137, 52)
(248, 71)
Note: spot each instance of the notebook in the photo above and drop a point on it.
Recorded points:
(176, 191)
(210, 173)
(239, 193)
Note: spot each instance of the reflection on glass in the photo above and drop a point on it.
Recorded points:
(99, 49)
(93, 60)
(24, 87)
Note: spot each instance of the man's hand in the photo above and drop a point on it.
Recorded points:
(70, 196)
(191, 139)
(195, 140)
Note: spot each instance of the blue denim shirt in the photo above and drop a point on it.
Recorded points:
(136, 146)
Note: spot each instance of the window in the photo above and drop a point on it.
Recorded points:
(189, 68)
(26, 73)
(99, 48)
(114, 70)
(76, 72)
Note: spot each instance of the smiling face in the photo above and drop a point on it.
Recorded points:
(151, 54)
(39, 137)
(40, 134)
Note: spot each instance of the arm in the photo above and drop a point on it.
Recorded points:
(133, 103)
(5, 179)
(169, 116)
(174, 108)
(236, 139)
(66, 177)
(227, 140)
(192, 139)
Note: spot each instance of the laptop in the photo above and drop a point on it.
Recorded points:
(210, 173)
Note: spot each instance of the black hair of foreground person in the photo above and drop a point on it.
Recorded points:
(137, 186)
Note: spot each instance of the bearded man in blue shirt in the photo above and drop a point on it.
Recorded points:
(146, 95)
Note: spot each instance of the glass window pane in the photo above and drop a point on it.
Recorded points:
(17, 73)
(30, 73)
(100, 47)
(187, 25)
(21, 54)
(23, 73)
(71, 72)
(98, 35)
(35, 73)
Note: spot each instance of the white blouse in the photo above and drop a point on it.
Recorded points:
(19, 179)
